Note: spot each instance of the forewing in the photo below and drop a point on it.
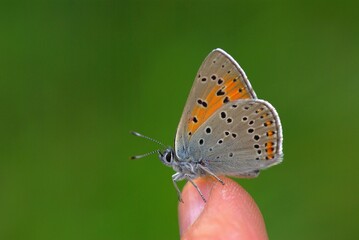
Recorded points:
(239, 139)
(219, 80)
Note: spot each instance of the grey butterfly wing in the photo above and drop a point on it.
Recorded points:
(218, 80)
(240, 139)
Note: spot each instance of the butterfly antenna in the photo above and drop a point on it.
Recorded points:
(144, 155)
(148, 138)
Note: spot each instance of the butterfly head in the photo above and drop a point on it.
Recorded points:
(167, 157)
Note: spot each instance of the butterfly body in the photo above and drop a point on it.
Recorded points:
(224, 129)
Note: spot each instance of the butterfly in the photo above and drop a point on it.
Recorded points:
(224, 129)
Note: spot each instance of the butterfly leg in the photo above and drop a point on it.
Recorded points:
(210, 173)
(189, 178)
(175, 178)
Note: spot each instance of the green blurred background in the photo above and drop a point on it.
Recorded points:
(76, 76)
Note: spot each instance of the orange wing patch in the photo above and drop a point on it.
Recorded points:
(269, 148)
(228, 89)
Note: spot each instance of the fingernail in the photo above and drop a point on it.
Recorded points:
(193, 205)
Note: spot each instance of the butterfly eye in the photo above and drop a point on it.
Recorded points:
(169, 157)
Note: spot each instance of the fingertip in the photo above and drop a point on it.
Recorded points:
(192, 206)
(230, 212)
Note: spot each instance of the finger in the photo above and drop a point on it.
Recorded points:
(230, 212)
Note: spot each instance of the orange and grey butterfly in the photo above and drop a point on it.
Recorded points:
(224, 128)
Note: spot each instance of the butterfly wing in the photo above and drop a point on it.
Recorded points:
(239, 139)
(219, 80)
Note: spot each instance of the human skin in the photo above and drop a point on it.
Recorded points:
(230, 212)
